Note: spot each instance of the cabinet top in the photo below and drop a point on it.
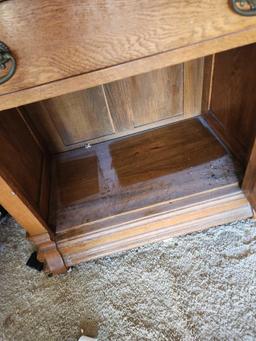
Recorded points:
(62, 46)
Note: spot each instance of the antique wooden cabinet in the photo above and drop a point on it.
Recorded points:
(125, 122)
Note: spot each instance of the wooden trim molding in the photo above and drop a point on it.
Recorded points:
(249, 183)
(48, 254)
(190, 214)
(207, 82)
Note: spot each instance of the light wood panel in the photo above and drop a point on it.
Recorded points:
(117, 109)
(110, 33)
(117, 72)
(146, 98)
(136, 172)
(193, 84)
(73, 118)
(233, 99)
(80, 116)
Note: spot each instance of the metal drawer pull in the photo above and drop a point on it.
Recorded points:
(6, 58)
(245, 7)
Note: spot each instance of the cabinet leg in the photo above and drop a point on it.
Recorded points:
(3, 213)
(48, 254)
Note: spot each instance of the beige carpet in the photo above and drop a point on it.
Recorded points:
(197, 287)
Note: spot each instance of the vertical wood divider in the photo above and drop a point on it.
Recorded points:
(108, 109)
(193, 87)
(209, 63)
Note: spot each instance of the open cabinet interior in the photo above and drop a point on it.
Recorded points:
(136, 160)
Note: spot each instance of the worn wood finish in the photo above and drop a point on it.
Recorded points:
(229, 141)
(144, 170)
(119, 108)
(80, 116)
(43, 201)
(21, 157)
(49, 254)
(134, 66)
(45, 187)
(249, 183)
(207, 83)
(233, 99)
(24, 172)
(143, 36)
(146, 98)
(21, 209)
(193, 85)
(110, 33)
(37, 229)
(70, 119)
(186, 215)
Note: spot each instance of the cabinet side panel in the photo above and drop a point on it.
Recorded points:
(23, 161)
(233, 98)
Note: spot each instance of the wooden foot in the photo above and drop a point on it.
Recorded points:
(48, 254)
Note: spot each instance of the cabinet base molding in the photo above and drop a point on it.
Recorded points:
(48, 254)
(189, 214)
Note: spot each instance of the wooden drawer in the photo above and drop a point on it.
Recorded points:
(55, 41)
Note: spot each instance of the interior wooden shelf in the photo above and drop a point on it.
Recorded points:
(139, 175)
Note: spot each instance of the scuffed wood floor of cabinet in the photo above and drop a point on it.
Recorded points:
(124, 193)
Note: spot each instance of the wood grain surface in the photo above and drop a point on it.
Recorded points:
(21, 209)
(72, 118)
(21, 157)
(187, 215)
(233, 99)
(146, 98)
(110, 33)
(124, 107)
(193, 85)
(136, 172)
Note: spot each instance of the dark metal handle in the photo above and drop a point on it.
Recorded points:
(6, 58)
(245, 7)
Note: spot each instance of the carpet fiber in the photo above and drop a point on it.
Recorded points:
(196, 287)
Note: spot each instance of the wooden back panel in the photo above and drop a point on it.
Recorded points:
(119, 108)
